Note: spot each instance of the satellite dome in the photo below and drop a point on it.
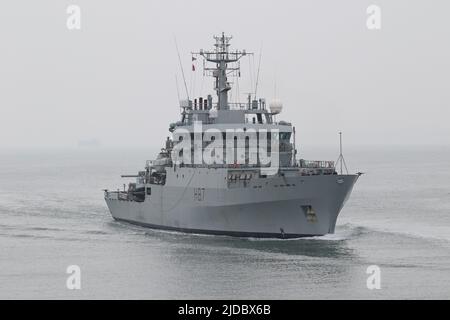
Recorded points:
(275, 106)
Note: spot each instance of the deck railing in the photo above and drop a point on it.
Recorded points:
(316, 164)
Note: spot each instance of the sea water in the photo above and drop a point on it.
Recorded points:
(52, 216)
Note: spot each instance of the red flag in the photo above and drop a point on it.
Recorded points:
(193, 68)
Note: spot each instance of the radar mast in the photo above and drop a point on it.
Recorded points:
(226, 63)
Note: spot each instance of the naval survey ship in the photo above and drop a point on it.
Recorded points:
(214, 175)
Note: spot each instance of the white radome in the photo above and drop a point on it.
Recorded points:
(276, 106)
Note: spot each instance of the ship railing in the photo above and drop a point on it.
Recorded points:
(316, 164)
(319, 164)
(305, 168)
(231, 106)
(116, 195)
(238, 106)
(316, 167)
(221, 166)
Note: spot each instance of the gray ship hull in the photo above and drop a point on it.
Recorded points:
(204, 202)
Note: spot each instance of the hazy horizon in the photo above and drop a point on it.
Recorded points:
(112, 83)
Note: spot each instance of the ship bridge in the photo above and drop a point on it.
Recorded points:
(218, 113)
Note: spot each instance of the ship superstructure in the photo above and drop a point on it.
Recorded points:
(232, 169)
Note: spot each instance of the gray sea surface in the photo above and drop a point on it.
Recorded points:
(52, 215)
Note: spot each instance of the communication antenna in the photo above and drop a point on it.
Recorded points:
(341, 160)
(275, 86)
(294, 156)
(183, 113)
(257, 74)
(178, 89)
(250, 69)
(181, 67)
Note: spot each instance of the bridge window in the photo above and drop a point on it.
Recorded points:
(285, 135)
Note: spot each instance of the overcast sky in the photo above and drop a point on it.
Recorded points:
(114, 80)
